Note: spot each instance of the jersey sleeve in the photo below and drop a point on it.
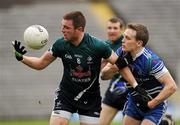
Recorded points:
(106, 50)
(158, 68)
(53, 51)
(55, 48)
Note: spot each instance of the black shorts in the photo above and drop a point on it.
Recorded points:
(87, 105)
(115, 101)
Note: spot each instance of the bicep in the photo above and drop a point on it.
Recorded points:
(166, 79)
(47, 58)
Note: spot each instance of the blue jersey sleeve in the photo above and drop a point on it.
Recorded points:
(158, 68)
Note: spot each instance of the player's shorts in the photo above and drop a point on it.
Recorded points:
(114, 100)
(155, 115)
(87, 107)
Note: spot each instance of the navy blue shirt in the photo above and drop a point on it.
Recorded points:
(147, 67)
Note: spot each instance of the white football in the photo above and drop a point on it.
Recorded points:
(36, 37)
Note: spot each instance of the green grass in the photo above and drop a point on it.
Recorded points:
(32, 122)
(42, 122)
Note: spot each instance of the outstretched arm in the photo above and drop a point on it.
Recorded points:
(33, 62)
(122, 67)
(39, 63)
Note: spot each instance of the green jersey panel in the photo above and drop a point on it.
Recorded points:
(81, 63)
(116, 43)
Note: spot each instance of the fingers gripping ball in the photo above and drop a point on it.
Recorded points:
(36, 37)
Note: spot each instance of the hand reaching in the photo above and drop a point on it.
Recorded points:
(18, 50)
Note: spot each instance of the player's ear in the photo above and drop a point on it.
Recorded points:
(140, 43)
(80, 29)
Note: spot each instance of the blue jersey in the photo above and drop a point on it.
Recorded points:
(147, 67)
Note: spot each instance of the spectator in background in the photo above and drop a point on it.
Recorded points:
(146, 103)
(114, 99)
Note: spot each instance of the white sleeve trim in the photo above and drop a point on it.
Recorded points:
(161, 73)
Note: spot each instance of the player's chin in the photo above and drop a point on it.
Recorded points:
(112, 38)
(125, 50)
(66, 38)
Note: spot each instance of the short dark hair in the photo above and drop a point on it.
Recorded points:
(141, 32)
(116, 20)
(77, 17)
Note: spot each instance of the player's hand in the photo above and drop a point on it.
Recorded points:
(124, 60)
(142, 98)
(118, 88)
(18, 50)
(143, 93)
(141, 103)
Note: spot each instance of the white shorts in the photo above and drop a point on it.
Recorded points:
(82, 118)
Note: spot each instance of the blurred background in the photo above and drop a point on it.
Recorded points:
(28, 94)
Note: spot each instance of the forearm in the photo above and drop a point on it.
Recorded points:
(162, 96)
(33, 62)
(128, 76)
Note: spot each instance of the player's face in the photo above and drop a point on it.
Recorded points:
(129, 42)
(113, 31)
(68, 30)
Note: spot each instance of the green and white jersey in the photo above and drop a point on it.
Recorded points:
(81, 63)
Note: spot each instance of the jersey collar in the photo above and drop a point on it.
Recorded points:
(138, 54)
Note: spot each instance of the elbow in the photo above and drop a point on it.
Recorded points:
(173, 88)
(39, 67)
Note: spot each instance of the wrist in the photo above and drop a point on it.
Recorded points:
(19, 56)
(134, 84)
(152, 103)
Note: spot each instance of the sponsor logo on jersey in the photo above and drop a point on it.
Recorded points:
(68, 56)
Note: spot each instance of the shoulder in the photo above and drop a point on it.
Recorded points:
(153, 61)
(150, 55)
(95, 42)
(108, 42)
(59, 41)
(57, 46)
